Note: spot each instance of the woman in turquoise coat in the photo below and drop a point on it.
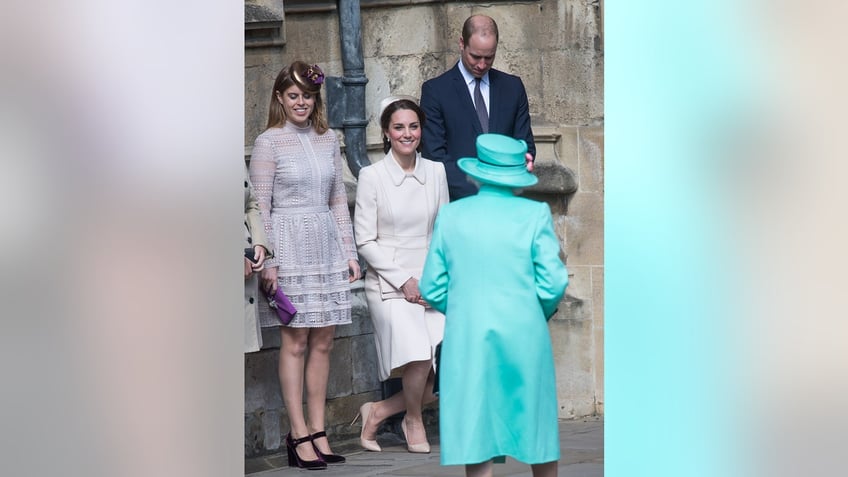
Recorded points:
(494, 270)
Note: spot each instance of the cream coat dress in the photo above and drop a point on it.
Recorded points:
(393, 223)
(254, 234)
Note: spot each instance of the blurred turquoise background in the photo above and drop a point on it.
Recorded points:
(674, 96)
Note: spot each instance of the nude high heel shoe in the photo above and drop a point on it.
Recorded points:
(365, 412)
(423, 448)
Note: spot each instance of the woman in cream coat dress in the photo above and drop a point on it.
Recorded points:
(254, 237)
(396, 204)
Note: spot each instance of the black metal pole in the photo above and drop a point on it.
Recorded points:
(353, 81)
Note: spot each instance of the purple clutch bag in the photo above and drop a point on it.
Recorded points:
(280, 303)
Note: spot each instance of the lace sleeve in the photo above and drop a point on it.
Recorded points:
(338, 205)
(263, 166)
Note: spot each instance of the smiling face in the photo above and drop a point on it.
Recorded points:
(404, 133)
(297, 105)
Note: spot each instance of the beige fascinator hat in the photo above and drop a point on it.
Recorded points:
(391, 99)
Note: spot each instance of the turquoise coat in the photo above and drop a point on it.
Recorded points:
(494, 270)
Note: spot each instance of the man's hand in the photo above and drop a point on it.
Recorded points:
(530, 161)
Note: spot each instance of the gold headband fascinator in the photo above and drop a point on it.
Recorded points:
(391, 99)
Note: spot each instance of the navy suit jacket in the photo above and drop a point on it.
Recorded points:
(451, 126)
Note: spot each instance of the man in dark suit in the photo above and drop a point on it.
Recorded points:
(471, 99)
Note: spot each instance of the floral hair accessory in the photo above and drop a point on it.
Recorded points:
(314, 75)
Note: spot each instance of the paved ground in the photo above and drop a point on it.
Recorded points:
(581, 441)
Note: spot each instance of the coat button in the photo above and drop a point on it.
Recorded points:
(245, 184)
(249, 240)
(250, 300)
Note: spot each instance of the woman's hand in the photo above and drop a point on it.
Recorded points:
(410, 291)
(269, 280)
(530, 160)
(353, 267)
(259, 256)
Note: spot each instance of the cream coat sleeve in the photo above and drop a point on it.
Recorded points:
(253, 218)
(366, 224)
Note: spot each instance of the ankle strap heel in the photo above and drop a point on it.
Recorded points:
(328, 458)
(295, 460)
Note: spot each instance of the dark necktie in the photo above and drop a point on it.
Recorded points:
(482, 114)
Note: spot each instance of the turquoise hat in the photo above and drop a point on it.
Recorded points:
(500, 161)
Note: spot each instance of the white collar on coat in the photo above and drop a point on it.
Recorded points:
(398, 175)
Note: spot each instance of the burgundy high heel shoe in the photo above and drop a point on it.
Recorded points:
(328, 458)
(296, 461)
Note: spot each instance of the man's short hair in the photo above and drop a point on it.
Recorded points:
(480, 25)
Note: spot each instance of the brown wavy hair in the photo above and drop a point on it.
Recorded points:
(309, 79)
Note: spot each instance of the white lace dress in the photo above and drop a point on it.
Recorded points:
(297, 177)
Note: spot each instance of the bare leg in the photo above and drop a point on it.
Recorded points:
(291, 370)
(428, 390)
(381, 410)
(548, 469)
(414, 388)
(317, 374)
(479, 470)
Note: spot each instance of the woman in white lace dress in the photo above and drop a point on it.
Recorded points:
(296, 170)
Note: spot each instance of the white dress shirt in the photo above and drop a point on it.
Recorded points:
(484, 85)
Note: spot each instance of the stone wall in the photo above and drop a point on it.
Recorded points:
(556, 46)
